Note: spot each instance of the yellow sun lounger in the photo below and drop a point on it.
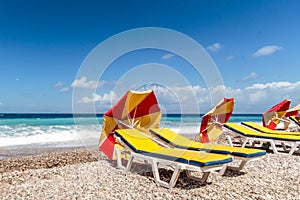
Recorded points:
(262, 129)
(179, 141)
(252, 135)
(142, 147)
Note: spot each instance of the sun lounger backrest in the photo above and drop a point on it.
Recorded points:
(256, 127)
(171, 137)
(242, 130)
(137, 141)
(262, 129)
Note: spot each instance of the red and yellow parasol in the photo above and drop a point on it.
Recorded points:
(212, 122)
(134, 110)
(274, 115)
(293, 111)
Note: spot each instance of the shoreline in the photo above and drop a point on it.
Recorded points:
(7, 152)
(38, 149)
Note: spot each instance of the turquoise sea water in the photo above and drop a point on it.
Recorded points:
(69, 130)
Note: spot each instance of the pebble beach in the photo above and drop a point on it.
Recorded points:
(86, 173)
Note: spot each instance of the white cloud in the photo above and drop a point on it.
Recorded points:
(214, 47)
(167, 56)
(194, 99)
(59, 84)
(229, 57)
(254, 99)
(274, 85)
(250, 77)
(191, 99)
(84, 83)
(267, 50)
(64, 89)
(107, 98)
(257, 96)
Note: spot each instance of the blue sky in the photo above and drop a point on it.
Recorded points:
(255, 45)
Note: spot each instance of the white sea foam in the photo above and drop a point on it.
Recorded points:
(60, 135)
(186, 130)
(70, 134)
(52, 135)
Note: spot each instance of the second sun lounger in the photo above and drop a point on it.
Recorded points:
(262, 129)
(252, 135)
(141, 147)
(179, 141)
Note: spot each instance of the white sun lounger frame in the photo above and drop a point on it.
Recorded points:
(157, 163)
(246, 139)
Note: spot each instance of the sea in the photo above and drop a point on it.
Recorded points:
(68, 130)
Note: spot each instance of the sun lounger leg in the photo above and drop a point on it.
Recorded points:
(242, 165)
(157, 177)
(293, 148)
(274, 147)
(229, 140)
(129, 163)
(283, 146)
(202, 179)
(155, 170)
(119, 160)
(223, 170)
(245, 142)
(260, 143)
(175, 176)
